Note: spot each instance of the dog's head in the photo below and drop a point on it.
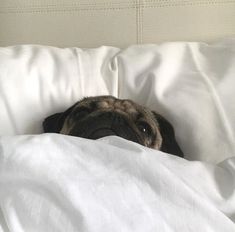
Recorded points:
(96, 117)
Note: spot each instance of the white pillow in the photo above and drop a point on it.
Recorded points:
(191, 84)
(36, 81)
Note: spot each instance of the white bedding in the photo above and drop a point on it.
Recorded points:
(191, 84)
(61, 183)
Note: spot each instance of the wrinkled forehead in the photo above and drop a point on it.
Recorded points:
(112, 103)
(98, 102)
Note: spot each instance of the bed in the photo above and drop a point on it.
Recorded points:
(176, 57)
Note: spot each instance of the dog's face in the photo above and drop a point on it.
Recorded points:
(97, 117)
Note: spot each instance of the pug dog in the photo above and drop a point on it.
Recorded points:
(97, 117)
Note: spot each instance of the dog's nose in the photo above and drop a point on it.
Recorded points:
(115, 123)
(112, 117)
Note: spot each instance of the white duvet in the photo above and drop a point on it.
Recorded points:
(57, 183)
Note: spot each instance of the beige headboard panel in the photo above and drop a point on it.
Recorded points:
(91, 23)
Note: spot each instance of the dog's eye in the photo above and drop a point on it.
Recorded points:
(144, 128)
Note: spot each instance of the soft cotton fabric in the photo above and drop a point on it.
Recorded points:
(191, 84)
(61, 183)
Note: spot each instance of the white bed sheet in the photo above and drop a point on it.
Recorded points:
(61, 183)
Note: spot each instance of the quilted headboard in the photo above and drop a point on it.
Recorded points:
(91, 23)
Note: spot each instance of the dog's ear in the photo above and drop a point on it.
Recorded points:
(55, 122)
(169, 143)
